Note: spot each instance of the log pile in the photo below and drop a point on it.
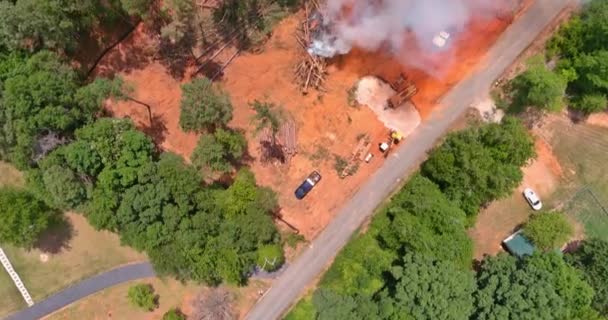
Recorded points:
(311, 71)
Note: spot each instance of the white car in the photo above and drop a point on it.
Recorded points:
(533, 199)
(441, 39)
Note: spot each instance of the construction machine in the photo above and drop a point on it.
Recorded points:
(405, 90)
(394, 137)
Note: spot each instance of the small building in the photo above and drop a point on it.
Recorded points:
(517, 245)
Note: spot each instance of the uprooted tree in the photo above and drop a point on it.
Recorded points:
(214, 304)
(268, 120)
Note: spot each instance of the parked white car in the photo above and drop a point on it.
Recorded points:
(533, 199)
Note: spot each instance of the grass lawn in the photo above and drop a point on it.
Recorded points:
(583, 153)
(75, 251)
(113, 304)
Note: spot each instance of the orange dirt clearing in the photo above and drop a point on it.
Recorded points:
(326, 125)
(441, 70)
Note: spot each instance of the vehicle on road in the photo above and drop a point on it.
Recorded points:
(307, 185)
(533, 199)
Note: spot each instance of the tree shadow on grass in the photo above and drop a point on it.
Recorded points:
(57, 237)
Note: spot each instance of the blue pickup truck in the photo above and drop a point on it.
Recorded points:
(307, 185)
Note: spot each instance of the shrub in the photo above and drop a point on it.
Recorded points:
(174, 314)
(203, 107)
(142, 296)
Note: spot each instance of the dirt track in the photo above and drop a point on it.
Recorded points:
(322, 250)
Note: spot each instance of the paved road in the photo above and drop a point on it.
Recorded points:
(83, 289)
(287, 288)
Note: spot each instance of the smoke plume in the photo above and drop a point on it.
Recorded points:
(372, 24)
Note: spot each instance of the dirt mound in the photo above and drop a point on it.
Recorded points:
(374, 93)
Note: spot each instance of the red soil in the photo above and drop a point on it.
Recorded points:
(325, 122)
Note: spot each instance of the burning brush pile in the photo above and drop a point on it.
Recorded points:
(311, 71)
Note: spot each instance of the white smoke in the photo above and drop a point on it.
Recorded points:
(371, 24)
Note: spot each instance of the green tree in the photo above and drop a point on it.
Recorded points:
(592, 259)
(548, 230)
(66, 189)
(220, 150)
(359, 268)
(136, 7)
(270, 257)
(22, 217)
(51, 24)
(142, 296)
(591, 103)
(540, 287)
(333, 306)
(425, 288)
(203, 107)
(421, 219)
(268, 117)
(174, 314)
(538, 87)
(182, 14)
(475, 166)
(592, 73)
(92, 96)
(37, 100)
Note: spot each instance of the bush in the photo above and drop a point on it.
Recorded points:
(174, 314)
(220, 151)
(591, 103)
(203, 107)
(548, 230)
(142, 296)
(270, 257)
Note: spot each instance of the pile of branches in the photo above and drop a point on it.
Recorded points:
(310, 72)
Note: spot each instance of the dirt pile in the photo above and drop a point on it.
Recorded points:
(374, 93)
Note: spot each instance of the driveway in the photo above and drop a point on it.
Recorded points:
(288, 288)
(83, 289)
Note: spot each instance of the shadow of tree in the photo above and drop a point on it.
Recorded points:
(57, 237)
(157, 130)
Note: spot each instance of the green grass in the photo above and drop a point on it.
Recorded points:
(583, 152)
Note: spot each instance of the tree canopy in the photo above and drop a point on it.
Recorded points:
(548, 230)
(426, 288)
(41, 96)
(540, 287)
(582, 54)
(421, 219)
(203, 107)
(22, 217)
(142, 296)
(219, 151)
(592, 259)
(50, 24)
(480, 164)
(539, 87)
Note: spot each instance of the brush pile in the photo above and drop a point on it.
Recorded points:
(311, 71)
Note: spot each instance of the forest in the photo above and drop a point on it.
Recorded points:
(53, 128)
